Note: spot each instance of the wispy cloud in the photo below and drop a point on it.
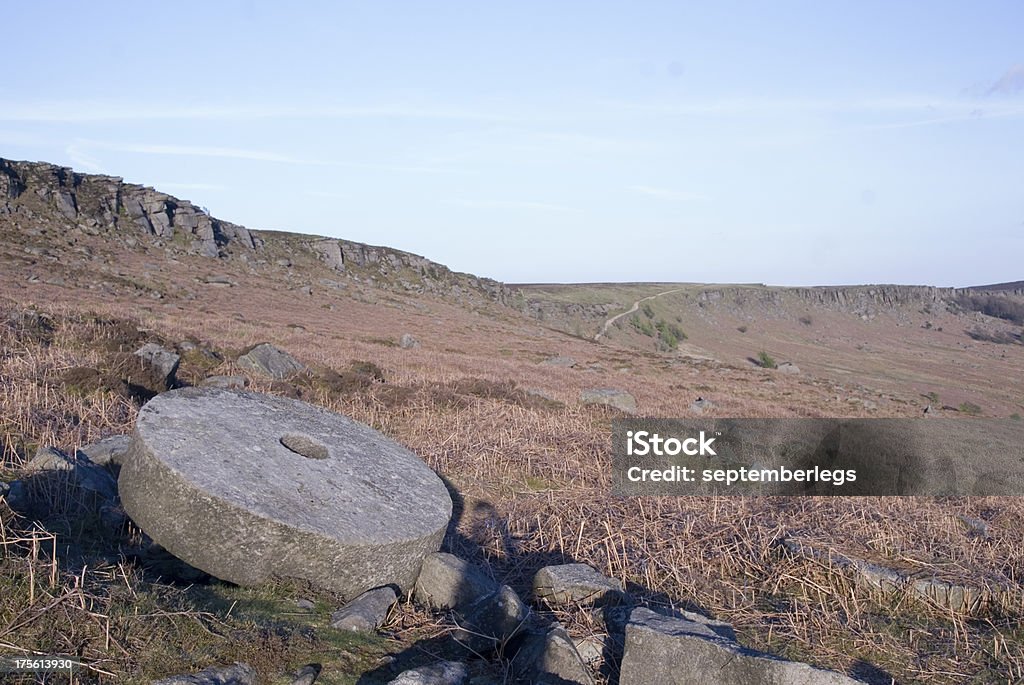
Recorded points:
(512, 205)
(95, 111)
(249, 155)
(188, 186)
(81, 160)
(667, 193)
(1010, 83)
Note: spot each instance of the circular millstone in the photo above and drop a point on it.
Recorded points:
(248, 487)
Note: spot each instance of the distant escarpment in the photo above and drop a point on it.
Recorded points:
(37, 198)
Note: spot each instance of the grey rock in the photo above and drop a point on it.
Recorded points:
(559, 362)
(591, 649)
(307, 675)
(550, 656)
(489, 614)
(66, 204)
(789, 368)
(330, 253)
(367, 612)
(408, 341)
(238, 674)
(84, 474)
(619, 399)
(107, 451)
(208, 477)
(700, 405)
(225, 382)
(440, 673)
(666, 650)
(305, 604)
(161, 360)
(17, 495)
(569, 584)
(269, 361)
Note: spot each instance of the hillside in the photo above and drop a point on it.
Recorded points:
(488, 384)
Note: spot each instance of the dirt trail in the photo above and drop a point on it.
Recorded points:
(636, 305)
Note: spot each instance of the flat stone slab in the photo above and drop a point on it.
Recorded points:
(247, 486)
(367, 612)
(569, 584)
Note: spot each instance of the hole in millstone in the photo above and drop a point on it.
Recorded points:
(304, 445)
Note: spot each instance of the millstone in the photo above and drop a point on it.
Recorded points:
(248, 487)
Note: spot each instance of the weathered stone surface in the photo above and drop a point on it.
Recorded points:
(107, 451)
(619, 399)
(367, 612)
(550, 656)
(307, 675)
(559, 362)
(330, 252)
(268, 360)
(490, 613)
(440, 673)
(225, 382)
(161, 361)
(209, 478)
(789, 367)
(238, 674)
(408, 341)
(84, 474)
(574, 584)
(665, 650)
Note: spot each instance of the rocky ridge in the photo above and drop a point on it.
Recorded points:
(38, 195)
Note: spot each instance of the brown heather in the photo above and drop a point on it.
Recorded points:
(533, 479)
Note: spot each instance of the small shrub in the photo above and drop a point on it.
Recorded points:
(1015, 416)
(645, 327)
(933, 397)
(806, 320)
(766, 361)
(970, 408)
(648, 310)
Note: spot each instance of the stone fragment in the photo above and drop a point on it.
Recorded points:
(225, 382)
(408, 341)
(209, 478)
(238, 674)
(489, 614)
(367, 612)
(569, 584)
(269, 361)
(550, 656)
(84, 474)
(559, 362)
(439, 673)
(107, 451)
(667, 650)
(789, 368)
(307, 675)
(619, 399)
(162, 362)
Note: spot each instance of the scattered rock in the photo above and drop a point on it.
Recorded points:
(975, 527)
(268, 360)
(239, 674)
(559, 362)
(666, 650)
(84, 473)
(488, 613)
(570, 584)
(408, 341)
(440, 673)
(619, 399)
(225, 382)
(203, 479)
(303, 603)
(107, 451)
(162, 362)
(701, 405)
(788, 367)
(307, 675)
(550, 656)
(367, 612)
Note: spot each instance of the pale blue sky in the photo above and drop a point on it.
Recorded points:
(787, 142)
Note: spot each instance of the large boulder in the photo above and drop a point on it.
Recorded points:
(161, 362)
(619, 399)
(247, 487)
(691, 650)
(489, 614)
(267, 360)
(549, 656)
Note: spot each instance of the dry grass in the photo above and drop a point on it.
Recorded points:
(533, 478)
